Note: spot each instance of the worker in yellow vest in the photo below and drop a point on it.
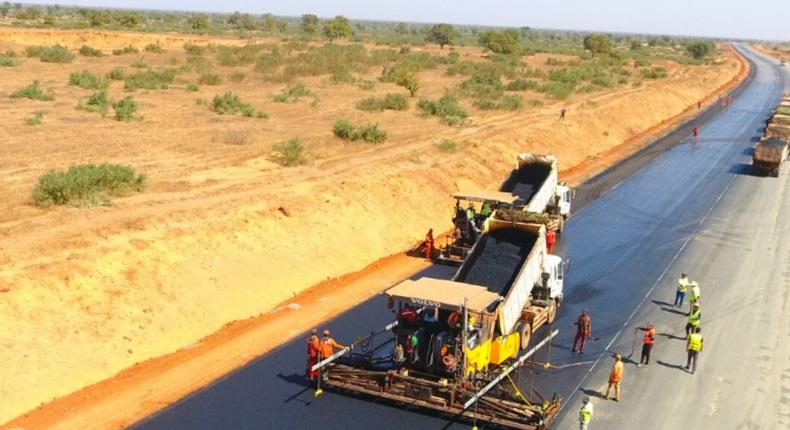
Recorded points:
(694, 348)
(585, 413)
(683, 283)
(695, 316)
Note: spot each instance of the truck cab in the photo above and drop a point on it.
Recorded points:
(563, 197)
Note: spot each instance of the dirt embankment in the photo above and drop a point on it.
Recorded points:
(223, 234)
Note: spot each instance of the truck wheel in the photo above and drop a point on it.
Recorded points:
(551, 314)
(524, 333)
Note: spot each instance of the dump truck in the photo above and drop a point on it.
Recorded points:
(455, 343)
(775, 130)
(532, 187)
(769, 156)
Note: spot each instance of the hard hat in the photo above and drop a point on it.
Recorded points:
(696, 305)
(586, 399)
(649, 325)
(697, 329)
(694, 284)
(618, 357)
(326, 332)
(472, 320)
(314, 331)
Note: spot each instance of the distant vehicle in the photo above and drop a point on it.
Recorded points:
(782, 63)
(769, 155)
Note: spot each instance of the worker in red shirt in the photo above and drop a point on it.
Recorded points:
(313, 351)
(648, 340)
(551, 239)
(695, 132)
(583, 330)
(429, 244)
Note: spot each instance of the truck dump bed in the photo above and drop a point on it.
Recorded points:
(771, 151)
(497, 259)
(527, 179)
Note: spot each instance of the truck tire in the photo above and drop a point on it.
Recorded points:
(551, 313)
(524, 334)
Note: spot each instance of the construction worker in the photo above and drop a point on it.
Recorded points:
(562, 114)
(585, 413)
(551, 239)
(648, 340)
(485, 210)
(699, 104)
(313, 351)
(615, 376)
(695, 293)
(428, 243)
(694, 347)
(695, 132)
(328, 345)
(412, 346)
(683, 284)
(583, 329)
(695, 315)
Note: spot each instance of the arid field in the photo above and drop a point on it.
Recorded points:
(223, 231)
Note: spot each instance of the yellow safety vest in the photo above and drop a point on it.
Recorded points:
(694, 318)
(585, 415)
(695, 342)
(695, 293)
(683, 283)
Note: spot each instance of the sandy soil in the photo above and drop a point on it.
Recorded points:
(89, 292)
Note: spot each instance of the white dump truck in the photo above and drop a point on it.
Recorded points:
(534, 181)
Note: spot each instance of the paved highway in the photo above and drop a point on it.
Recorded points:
(695, 208)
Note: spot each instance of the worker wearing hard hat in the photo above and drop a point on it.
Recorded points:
(695, 317)
(695, 293)
(585, 413)
(648, 340)
(328, 345)
(615, 376)
(694, 348)
(313, 351)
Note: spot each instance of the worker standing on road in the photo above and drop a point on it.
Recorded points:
(695, 293)
(695, 132)
(695, 315)
(648, 340)
(683, 283)
(328, 345)
(615, 376)
(583, 329)
(313, 351)
(551, 239)
(585, 413)
(694, 348)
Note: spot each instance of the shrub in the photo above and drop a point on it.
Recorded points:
(98, 102)
(521, 85)
(34, 92)
(408, 79)
(192, 49)
(371, 133)
(87, 80)
(192, 87)
(87, 51)
(597, 44)
(230, 104)
(511, 103)
(655, 73)
(154, 48)
(446, 145)
(9, 59)
(446, 108)
(125, 109)
(139, 64)
(87, 184)
(535, 102)
(289, 153)
(442, 34)
(344, 129)
(150, 80)
(397, 102)
(558, 90)
(52, 54)
(209, 79)
(292, 94)
(500, 42)
(125, 50)
(116, 74)
(700, 50)
(551, 61)
(237, 77)
(36, 119)
(483, 84)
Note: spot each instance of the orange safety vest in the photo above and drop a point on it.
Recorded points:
(617, 372)
(650, 336)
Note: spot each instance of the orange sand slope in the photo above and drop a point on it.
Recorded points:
(89, 292)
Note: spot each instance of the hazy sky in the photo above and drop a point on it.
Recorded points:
(759, 19)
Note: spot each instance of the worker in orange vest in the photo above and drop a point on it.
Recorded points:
(313, 351)
(583, 329)
(648, 340)
(328, 345)
(551, 239)
(615, 376)
(429, 244)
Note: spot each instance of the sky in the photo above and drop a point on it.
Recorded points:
(742, 19)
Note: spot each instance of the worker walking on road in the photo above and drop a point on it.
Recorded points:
(694, 348)
(551, 239)
(695, 315)
(313, 352)
(583, 329)
(683, 284)
(648, 340)
(695, 132)
(328, 345)
(585, 413)
(695, 293)
(615, 376)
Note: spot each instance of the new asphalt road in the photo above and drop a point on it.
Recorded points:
(694, 208)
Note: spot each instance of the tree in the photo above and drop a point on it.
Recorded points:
(127, 19)
(5, 8)
(700, 50)
(337, 27)
(271, 24)
(242, 21)
(408, 79)
(402, 28)
(597, 44)
(500, 42)
(198, 22)
(97, 18)
(310, 24)
(636, 45)
(442, 34)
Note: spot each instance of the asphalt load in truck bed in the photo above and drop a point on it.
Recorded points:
(526, 181)
(497, 259)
